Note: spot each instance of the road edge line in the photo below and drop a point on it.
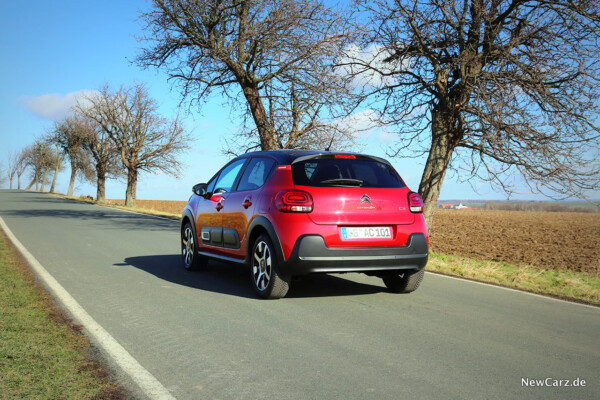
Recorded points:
(544, 296)
(144, 379)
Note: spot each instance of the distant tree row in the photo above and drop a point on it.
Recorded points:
(109, 134)
(539, 206)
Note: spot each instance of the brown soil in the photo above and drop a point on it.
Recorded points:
(549, 240)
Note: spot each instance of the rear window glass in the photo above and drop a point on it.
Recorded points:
(345, 172)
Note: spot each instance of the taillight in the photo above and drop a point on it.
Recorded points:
(415, 202)
(294, 201)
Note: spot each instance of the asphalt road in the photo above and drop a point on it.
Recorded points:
(205, 335)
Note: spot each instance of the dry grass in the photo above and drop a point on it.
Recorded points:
(573, 285)
(42, 354)
(162, 206)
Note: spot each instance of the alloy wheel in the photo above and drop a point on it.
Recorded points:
(187, 246)
(261, 266)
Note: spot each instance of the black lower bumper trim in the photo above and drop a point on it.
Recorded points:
(310, 255)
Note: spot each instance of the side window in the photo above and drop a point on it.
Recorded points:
(256, 173)
(228, 175)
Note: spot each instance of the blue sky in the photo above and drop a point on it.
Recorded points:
(53, 50)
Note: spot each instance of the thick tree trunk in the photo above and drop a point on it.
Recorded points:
(265, 130)
(101, 183)
(45, 177)
(443, 142)
(11, 179)
(18, 182)
(72, 181)
(131, 187)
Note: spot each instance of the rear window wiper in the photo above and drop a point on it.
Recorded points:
(343, 182)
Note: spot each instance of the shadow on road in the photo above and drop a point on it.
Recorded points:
(48, 206)
(233, 279)
(107, 217)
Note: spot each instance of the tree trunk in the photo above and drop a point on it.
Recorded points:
(11, 179)
(72, 181)
(131, 187)
(56, 169)
(18, 182)
(101, 183)
(265, 130)
(443, 143)
(53, 185)
(59, 161)
(33, 181)
(45, 177)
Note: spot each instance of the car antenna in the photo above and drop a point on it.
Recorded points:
(330, 143)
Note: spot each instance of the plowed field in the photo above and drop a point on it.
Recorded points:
(549, 240)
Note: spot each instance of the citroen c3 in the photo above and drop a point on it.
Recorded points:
(289, 213)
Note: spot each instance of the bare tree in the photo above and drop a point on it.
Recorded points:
(3, 175)
(20, 166)
(11, 169)
(144, 140)
(504, 89)
(38, 157)
(68, 134)
(274, 60)
(102, 150)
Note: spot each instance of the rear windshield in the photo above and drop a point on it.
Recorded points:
(345, 172)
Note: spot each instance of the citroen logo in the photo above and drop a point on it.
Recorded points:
(365, 198)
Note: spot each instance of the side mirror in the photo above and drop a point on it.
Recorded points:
(200, 189)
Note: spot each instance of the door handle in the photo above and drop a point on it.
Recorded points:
(219, 206)
(247, 203)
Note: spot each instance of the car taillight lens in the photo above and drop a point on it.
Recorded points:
(350, 156)
(415, 202)
(294, 201)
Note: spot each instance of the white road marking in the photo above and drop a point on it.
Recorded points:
(514, 290)
(145, 380)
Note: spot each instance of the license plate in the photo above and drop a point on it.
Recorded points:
(366, 232)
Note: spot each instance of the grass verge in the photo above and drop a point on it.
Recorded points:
(42, 354)
(578, 286)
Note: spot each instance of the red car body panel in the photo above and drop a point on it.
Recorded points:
(333, 209)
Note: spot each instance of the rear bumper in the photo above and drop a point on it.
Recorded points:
(311, 255)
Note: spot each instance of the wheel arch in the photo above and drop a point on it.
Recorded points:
(258, 226)
(188, 217)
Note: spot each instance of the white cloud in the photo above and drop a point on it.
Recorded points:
(52, 106)
(377, 74)
(361, 123)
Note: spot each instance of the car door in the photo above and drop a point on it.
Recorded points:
(209, 221)
(239, 208)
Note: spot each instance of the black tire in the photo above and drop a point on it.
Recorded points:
(406, 282)
(189, 250)
(267, 281)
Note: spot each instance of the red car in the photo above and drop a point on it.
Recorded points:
(288, 213)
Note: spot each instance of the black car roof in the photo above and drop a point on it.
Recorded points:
(288, 156)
